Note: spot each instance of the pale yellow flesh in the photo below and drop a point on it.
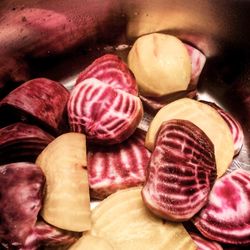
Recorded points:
(67, 202)
(89, 242)
(203, 116)
(123, 220)
(160, 63)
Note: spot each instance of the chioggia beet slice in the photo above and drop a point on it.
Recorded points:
(204, 244)
(22, 142)
(226, 216)
(182, 171)
(113, 71)
(117, 167)
(21, 191)
(104, 114)
(40, 101)
(123, 220)
(233, 124)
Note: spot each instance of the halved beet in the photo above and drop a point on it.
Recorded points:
(21, 191)
(233, 124)
(22, 142)
(116, 167)
(112, 70)
(226, 216)
(102, 113)
(39, 101)
(182, 171)
(204, 244)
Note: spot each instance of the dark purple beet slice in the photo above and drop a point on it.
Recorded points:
(233, 124)
(21, 190)
(40, 101)
(22, 142)
(112, 70)
(116, 167)
(182, 171)
(102, 113)
(226, 216)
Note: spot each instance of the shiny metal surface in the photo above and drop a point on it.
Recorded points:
(57, 39)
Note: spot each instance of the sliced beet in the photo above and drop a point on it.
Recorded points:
(204, 244)
(21, 191)
(182, 171)
(233, 124)
(116, 167)
(102, 113)
(113, 71)
(39, 101)
(226, 216)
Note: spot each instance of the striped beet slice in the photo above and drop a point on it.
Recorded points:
(113, 71)
(102, 113)
(226, 216)
(182, 170)
(118, 166)
(233, 124)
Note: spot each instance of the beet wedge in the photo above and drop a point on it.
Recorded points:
(117, 167)
(182, 171)
(22, 142)
(21, 191)
(226, 216)
(104, 114)
(113, 71)
(39, 101)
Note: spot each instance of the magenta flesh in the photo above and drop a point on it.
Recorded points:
(112, 70)
(233, 124)
(39, 101)
(21, 191)
(112, 168)
(226, 216)
(104, 114)
(182, 171)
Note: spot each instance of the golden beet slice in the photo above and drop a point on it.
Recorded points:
(123, 220)
(204, 117)
(67, 203)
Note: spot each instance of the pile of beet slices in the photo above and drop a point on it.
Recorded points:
(178, 176)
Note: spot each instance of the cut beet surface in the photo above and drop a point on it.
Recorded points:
(21, 190)
(112, 70)
(117, 167)
(22, 142)
(182, 171)
(226, 216)
(39, 101)
(102, 113)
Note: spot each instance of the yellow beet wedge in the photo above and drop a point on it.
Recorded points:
(67, 202)
(124, 221)
(203, 116)
(89, 242)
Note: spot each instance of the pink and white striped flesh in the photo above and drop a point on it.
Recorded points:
(182, 171)
(111, 70)
(204, 244)
(226, 216)
(117, 167)
(233, 124)
(104, 114)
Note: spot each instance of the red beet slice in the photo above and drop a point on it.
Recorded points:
(182, 170)
(40, 101)
(22, 142)
(21, 190)
(233, 124)
(205, 244)
(226, 216)
(117, 167)
(111, 70)
(103, 114)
